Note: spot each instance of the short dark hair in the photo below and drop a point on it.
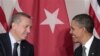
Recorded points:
(16, 17)
(85, 20)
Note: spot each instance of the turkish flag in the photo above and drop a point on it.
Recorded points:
(50, 31)
(54, 38)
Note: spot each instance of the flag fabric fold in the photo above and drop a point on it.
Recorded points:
(94, 11)
(54, 27)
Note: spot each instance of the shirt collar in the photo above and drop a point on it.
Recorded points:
(89, 42)
(12, 38)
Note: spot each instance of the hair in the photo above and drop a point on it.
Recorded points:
(85, 20)
(16, 17)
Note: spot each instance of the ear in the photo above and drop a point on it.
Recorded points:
(14, 25)
(84, 29)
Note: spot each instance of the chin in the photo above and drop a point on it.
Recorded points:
(23, 38)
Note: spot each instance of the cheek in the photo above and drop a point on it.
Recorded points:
(75, 39)
(76, 35)
(20, 30)
(74, 32)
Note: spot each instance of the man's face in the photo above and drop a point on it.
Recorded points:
(22, 29)
(76, 31)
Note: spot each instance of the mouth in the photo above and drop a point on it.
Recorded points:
(73, 35)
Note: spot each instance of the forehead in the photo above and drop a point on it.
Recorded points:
(25, 20)
(74, 23)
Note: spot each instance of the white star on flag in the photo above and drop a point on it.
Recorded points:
(52, 19)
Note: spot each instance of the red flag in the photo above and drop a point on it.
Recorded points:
(50, 32)
(54, 38)
(30, 7)
(94, 11)
(3, 20)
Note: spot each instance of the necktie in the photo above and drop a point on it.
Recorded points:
(83, 51)
(15, 53)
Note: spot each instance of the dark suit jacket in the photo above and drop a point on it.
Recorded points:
(5, 46)
(94, 49)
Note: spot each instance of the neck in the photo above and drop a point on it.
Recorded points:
(85, 38)
(15, 36)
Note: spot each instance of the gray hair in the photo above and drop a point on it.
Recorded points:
(85, 20)
(16, 17)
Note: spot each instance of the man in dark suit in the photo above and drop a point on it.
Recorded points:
(21, 24)
(82, 32)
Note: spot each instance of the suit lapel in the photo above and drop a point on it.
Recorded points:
(23, 49)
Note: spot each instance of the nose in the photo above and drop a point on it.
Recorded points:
(28, 30)
(70, 31)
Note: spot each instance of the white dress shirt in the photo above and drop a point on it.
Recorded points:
(12, 39)
(88, 44)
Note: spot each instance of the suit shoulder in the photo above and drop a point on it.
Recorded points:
(97, 39)
(3, 35)
(96, 42)
(24, 42)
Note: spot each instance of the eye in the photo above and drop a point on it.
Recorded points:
(30, 27)
(72, 28)
(26, 26)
